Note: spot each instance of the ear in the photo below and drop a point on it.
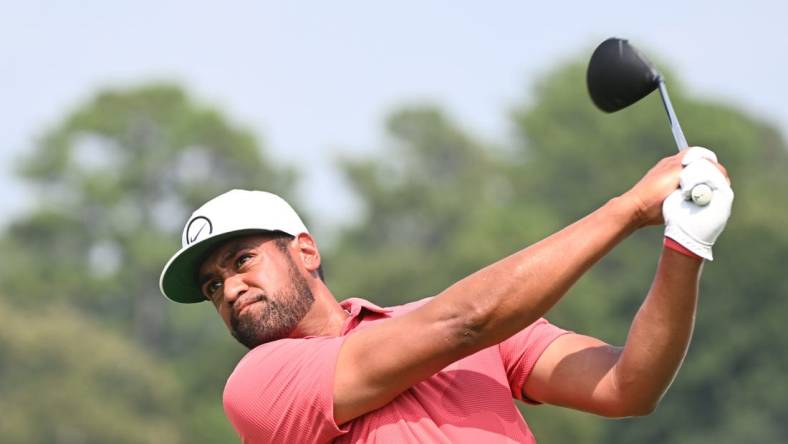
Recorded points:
(308, 253)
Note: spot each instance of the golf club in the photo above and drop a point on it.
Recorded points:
(618, 76)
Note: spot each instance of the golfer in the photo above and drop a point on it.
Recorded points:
(442, 369)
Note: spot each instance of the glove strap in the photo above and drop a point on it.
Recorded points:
(677, 247)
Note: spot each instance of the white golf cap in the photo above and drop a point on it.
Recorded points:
(231, 214)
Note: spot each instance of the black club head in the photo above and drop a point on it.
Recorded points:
(618, 75)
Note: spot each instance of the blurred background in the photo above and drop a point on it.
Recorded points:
(420, 140)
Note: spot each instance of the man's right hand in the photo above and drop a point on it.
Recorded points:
(377, 363)
(656, 185)
(651, 190)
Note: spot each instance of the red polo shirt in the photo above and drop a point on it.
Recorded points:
(282, 391)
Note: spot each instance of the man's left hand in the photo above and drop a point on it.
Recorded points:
(693, 226)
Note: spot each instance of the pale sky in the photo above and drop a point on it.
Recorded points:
(315, 79)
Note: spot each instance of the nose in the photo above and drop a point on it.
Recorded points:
(234, 288)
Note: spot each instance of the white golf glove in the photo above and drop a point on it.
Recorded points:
(697, 227)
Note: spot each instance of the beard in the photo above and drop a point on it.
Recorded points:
(279, 314)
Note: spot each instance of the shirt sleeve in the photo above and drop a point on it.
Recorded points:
(521, 351)
(283, 392)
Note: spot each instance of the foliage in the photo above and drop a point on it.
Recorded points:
(566, 159)
(561, 135)
(66, 379)
(117, 177)
(434, 187)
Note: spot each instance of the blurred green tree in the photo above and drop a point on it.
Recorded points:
(577, 157)
(115, 180)
(117, 177)
(66, 379)
(429, 201)
(439, 204)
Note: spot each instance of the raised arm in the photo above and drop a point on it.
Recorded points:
(377, 363)
(584, 373)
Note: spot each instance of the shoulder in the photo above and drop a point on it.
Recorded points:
(273, 357)
(530, 342)
(283, 389)
(521, 352)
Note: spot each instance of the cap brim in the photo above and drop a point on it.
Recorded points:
(178, 281)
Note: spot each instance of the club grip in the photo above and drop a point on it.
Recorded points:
(701, 194)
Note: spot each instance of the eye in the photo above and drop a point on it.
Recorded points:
(211, 287)
(242, 260)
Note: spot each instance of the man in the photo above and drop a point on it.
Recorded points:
(443, 369)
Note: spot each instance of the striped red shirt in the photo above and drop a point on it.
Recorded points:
(281, 392)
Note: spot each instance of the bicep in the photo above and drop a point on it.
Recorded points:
(576, 371)
(377, 363)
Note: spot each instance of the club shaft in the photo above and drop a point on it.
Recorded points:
(678, 135)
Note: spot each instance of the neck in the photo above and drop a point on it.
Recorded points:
(325, 318)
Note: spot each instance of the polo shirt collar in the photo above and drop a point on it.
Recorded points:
(355, 306)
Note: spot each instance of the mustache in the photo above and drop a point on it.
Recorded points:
(239, 304)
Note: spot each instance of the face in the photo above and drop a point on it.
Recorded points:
(257, 289)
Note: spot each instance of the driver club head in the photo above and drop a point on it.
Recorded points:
(618, 75)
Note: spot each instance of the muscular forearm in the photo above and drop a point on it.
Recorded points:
(377, 363)
(660, 333)
(508, 295)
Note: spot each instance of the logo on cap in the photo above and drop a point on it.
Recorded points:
(199, 228)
